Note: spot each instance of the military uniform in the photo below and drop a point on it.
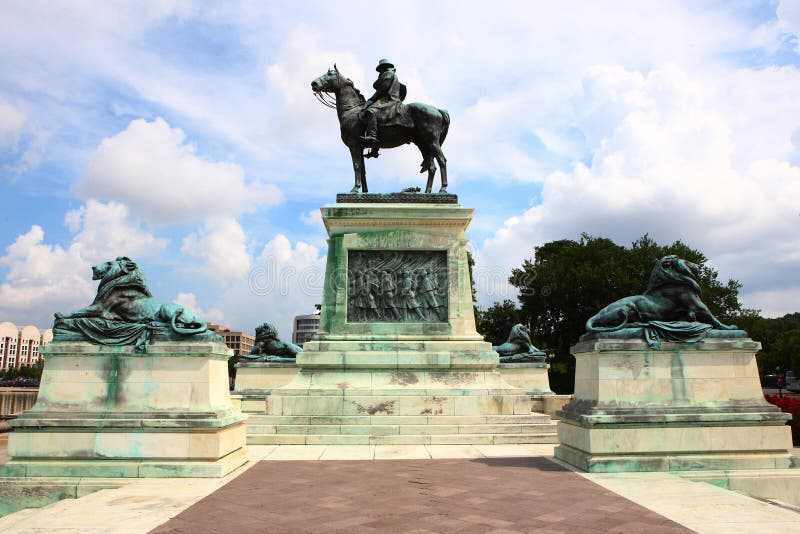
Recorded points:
(386, 105)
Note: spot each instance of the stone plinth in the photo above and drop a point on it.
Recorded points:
(255, 381)
(684, 407)
(373, 377)
(529, 376)
(110, 412)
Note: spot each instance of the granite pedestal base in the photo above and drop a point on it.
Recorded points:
(684, 407)
(109, 412)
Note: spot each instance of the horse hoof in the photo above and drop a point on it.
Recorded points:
(428, 191)
(354, 190)
(442, 191)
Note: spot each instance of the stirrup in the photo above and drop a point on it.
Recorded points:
(373, 153)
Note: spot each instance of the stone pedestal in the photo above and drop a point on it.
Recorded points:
(255, 381)
(109, 412)
(371, 377)
(529, 376)
(684, 407)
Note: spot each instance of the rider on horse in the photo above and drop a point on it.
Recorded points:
(385, 105)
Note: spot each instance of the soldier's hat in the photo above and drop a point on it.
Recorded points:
(384, 64)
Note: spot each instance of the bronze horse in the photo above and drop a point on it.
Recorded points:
(428, 133)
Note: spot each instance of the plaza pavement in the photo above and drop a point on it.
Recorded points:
(443, 488)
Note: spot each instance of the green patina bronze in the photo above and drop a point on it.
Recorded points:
(396, 287)
(384, 121)
(518, 348)
(268, 348)
(124, 312)
(670, 309)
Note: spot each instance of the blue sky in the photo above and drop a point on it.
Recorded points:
(185, 135)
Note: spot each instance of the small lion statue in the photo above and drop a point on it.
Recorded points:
(124, 312)
(268, 348)
(518, 347)
(671, 304)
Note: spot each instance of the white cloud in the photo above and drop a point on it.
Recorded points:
(788, 13)
(12, 121)
(303, 59)
(665, 165)
(285, 281)
(150, 167)
(46, 278)
(189, 300)
(42, 279)
(105, 231)
(221, 245)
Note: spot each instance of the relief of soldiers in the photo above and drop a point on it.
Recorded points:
(386, 105)
(371, 291)
(427, 290)
(388, 291)
(409, 298)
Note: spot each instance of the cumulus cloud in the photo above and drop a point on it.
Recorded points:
(301, 60)
(46, 278)
(221, 245)
(152, 169)
(665, 164)
(42, 279)
(286, 280)
(105, 231)
(189, 300)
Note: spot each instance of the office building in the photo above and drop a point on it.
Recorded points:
(239, 342)
(305, 326)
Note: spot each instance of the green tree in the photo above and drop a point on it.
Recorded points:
(780, 341)
(568, 281)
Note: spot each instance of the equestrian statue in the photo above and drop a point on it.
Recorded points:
(384, 121)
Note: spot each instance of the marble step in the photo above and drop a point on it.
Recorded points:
(388, 430)
(529, 419)
(406, 439)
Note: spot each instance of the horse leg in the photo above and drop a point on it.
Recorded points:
(437, 151)
(364, 187)
(431, 173)
(358, 168)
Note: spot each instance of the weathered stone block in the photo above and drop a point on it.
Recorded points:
(683, 407)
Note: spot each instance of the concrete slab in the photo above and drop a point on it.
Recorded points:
(295, 452)
(401, 452)
(348, 452)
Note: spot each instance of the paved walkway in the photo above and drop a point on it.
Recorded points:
(445, 488)
(457, 495)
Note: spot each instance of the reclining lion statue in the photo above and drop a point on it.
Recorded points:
(268, 348)
(124, 312)
(518, 347)
(671, 305)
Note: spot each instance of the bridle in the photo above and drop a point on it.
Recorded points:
(328, 100)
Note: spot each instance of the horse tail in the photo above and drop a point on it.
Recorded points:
(445, 125)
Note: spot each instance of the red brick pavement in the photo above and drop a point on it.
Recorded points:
(499, 495)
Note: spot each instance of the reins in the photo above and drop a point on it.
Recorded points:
(329, 100)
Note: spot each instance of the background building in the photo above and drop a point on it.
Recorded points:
(305, 326)
(20, 347)
(240, 342)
